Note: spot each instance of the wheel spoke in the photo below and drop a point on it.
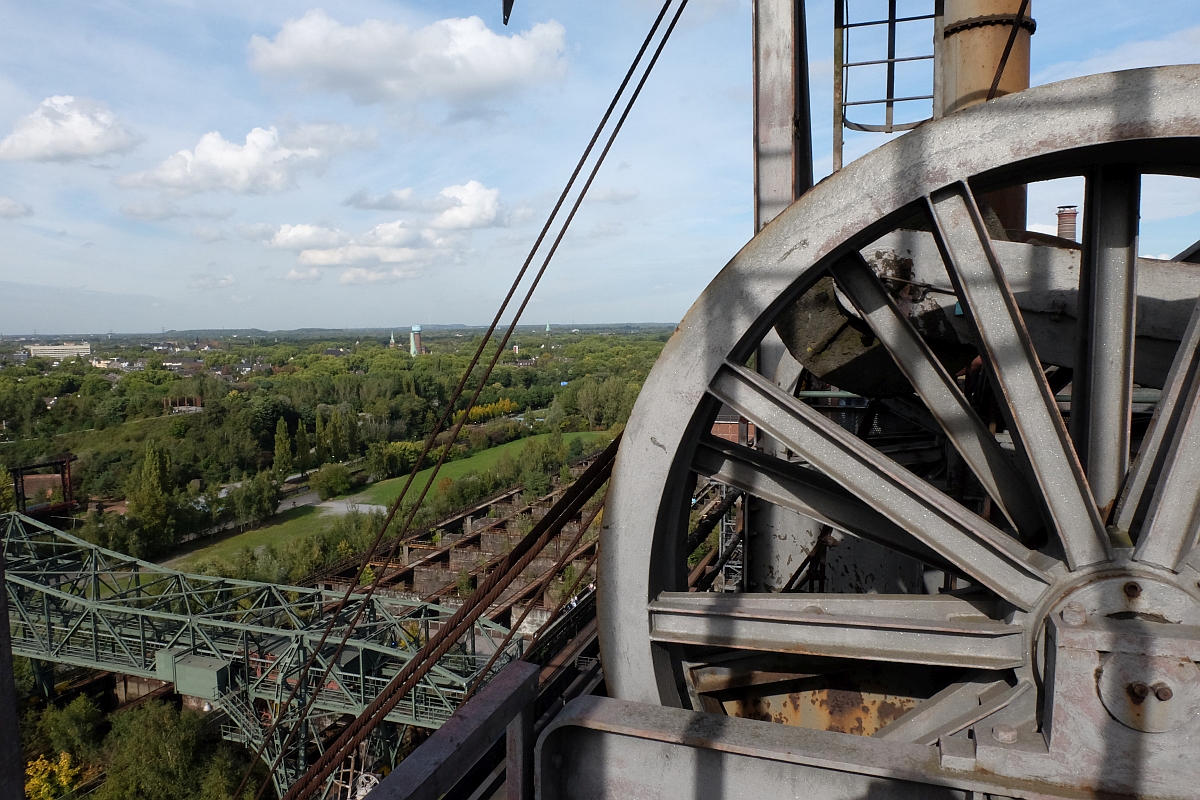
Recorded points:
(929, 378)
(1169, 530)
(1169, 415)
(1017, 375)
(936, 630)
(964, 539)
(806, 492)
(1102, 384)
(953, 709)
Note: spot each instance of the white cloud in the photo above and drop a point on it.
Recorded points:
(397, 200)
(613, 195)
(392, 234)
(462, 208)
(354, 253)
(267, 162)
(359, 275)
(11, 209)
(304, 237)
(162, 208)
(1181, 47)
(457, 60)
(65, 128)
(308, 275)
(477, 207)
(208, 233)
(330, 137)
(204, 281)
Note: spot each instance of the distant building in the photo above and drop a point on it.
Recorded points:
(526, 362)
(60, 350)
(414, 341)
(15, 358)
(335, 351)
(183, 365)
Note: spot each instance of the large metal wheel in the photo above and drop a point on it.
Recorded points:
(1051, 617)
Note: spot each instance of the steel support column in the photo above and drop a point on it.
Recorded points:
(782, 125)
(1102, 386)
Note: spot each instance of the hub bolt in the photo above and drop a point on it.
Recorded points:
(1005, 734)
(1133, 590)
(1139, 690)
(1074, 614)
(1163, 692)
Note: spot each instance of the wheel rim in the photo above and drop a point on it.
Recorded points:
(1046, 555)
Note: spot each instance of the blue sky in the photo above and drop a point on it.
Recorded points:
(281, 164)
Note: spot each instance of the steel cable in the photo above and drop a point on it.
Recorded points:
(513, 628)
(448, 635)
(364, 598)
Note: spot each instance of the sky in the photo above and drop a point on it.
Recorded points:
(379, 163)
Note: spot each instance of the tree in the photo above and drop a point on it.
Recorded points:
(337, 437)
(283, 449)
(152, 753)
(588, 400)
(47, 780)
(74, 728)
(331, 480)
(8, 493)
(322, 438)
(303, 449)
(150, 503)
(350, 432)
(256, 500)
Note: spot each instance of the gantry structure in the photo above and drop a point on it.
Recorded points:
(240, 645)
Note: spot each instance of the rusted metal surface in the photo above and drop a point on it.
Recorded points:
(861, 701)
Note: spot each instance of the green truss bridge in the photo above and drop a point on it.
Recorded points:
(239, 644)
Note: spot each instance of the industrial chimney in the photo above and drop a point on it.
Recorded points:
(1066, 221)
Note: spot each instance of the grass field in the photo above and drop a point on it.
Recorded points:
(299, 522)
(384, 492)
(283, 528)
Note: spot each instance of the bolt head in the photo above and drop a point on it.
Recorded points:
(1074, 614)
(1139, 690)
(1133, 590)
(1163, 692)
(1005, 734)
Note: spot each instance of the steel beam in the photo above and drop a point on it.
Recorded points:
(974, 442)
(967, 541)
(603, 749)
(1102, 383)
(438, 764)
(910, 629)
(1016, 373)
(782, 128)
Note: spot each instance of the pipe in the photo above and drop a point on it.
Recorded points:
(977, 33)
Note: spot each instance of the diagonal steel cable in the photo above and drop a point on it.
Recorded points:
(453, 629)
(447, 414)
(512, 629)
(371, 716)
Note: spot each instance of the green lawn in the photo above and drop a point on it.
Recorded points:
(385, 492)
(288, 526)
(299, 522)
